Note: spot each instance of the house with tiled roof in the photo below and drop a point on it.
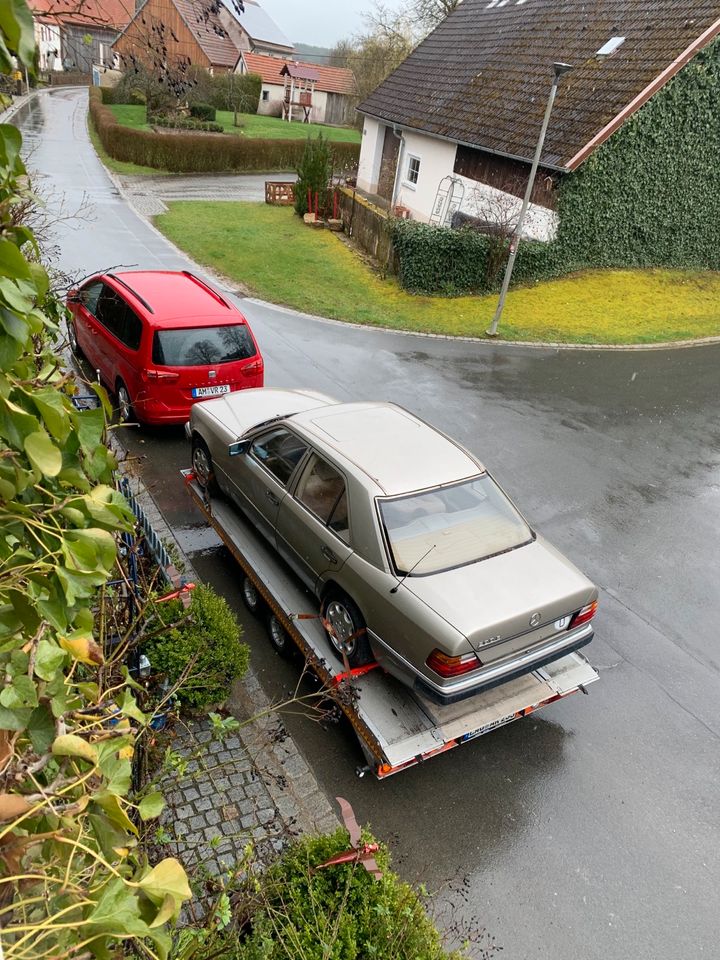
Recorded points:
(205, 34)
(75, 36)
(455, 126)
(334, 87)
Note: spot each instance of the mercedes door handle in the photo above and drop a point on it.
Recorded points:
(272, 498)
(329, 555)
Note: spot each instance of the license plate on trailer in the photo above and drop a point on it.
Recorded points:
(215, 391)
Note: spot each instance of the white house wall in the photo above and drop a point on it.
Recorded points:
(437, 161)
(276, 95)
(370, 155)
(47, 38)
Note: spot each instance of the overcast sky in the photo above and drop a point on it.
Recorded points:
(320, 22)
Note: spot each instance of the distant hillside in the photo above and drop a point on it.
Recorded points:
(306, 51)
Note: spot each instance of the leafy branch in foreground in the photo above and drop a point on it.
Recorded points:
(73, 881)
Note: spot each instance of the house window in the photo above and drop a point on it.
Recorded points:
(266, 94)
(413, 169)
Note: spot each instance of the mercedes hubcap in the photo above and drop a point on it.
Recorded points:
(278, 634)
(343, 627)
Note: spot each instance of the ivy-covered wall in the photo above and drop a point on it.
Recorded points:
(648, 197)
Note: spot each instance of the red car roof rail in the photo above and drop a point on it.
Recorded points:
(206, 286)
(127, 286)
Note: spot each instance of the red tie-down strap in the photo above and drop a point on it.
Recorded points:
(349, 673)
(185, 588)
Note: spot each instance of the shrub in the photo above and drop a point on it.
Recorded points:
(191, 153)
(314, 173)
(438, 260)
(185, 123)
(337, 913)
(203, 111)
(208, 632)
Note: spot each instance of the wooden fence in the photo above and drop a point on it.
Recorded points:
(368, 227)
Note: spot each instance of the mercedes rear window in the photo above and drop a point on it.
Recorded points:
(202, 346)
(451, 526)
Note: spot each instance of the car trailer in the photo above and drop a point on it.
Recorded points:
(397, 727)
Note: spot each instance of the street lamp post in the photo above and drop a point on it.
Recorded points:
(559, 69)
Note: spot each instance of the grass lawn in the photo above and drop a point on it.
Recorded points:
(279, 259)
(252, 126)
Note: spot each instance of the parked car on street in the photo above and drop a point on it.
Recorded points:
(417, 556)
(160, 340)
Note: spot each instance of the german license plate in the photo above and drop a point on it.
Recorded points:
(215, 391)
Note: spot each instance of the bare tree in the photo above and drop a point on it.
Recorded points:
(429, 13)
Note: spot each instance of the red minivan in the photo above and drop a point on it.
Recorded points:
(160, 340)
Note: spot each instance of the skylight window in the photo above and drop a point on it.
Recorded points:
(610, 47)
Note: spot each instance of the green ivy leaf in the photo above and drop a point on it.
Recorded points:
(20, 693)
(151, 806)
(48, 660)
(43, 454)
(41, 729)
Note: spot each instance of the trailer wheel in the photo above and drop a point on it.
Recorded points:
(251, 598)
(280, 638)
(202, 465)
(347, 633)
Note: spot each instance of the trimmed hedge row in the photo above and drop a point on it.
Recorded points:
(198, 152)
(186, 123)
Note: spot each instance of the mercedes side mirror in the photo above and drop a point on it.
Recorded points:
(239, 447)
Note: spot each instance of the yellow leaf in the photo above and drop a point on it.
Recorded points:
(166, 912)
(166, 879)
(12, 806)
(70, 745)
(83, 648)
(126, 753)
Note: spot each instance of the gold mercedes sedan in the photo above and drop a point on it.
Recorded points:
(418, 558)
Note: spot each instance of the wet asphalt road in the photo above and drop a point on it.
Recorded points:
(591, 830)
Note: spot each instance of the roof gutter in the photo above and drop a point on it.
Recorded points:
(463, 143)
(643, 97)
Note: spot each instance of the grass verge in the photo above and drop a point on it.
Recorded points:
(278, 258)
(119, 166)
(253, 126)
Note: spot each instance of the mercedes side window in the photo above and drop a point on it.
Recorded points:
(322, 490)
(88, 296)
(279, 451)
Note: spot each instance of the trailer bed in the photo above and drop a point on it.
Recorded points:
(397, 727)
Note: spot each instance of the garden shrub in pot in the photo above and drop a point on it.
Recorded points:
(207, 632)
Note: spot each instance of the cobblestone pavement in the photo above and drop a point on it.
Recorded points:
(148, 195)
(254, 785)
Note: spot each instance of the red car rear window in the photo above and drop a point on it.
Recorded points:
(202, 346)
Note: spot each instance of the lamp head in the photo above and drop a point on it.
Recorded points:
(560, 69)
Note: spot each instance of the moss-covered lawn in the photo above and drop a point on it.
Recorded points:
(279, 259)
(251, 125)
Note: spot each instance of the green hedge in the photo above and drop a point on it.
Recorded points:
(203, 111)
(436, 260)
(186, 123)
(197, 153)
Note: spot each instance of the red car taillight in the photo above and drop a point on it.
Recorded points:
(160, 375)
(255, 367)
(452, 666)
(584, 615)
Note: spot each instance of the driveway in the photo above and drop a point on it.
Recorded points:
(150, 194)
(591, 830)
